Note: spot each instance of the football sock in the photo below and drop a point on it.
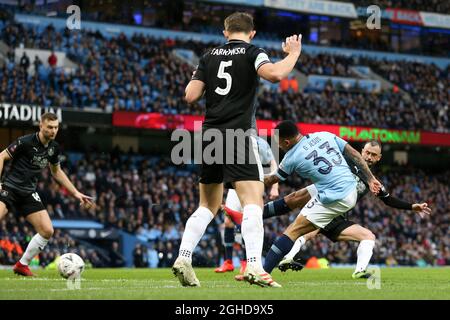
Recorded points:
(194, 230)
(35, 246)
(296, 248)
(228, 241)
(253, 234)
(275, 208)
(365, 250)
(244, 255)
(279, 249)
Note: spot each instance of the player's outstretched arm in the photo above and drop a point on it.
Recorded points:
(62, 179)
(421, 208)
(274, 72)
(356, 157)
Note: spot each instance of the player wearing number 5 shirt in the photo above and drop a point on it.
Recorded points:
(228, 77)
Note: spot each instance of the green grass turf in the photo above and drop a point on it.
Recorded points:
(396, 283)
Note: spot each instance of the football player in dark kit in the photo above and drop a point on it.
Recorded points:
(228, 76)
(30, 154)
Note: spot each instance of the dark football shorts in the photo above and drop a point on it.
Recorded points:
(19, 203)
(335, 227)
(239, 161)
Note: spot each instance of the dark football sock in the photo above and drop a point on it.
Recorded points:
(279, 249)
(229, 241)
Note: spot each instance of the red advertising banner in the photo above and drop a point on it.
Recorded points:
(405, 16)
(159, 121)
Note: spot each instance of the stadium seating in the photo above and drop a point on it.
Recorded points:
(138, 74)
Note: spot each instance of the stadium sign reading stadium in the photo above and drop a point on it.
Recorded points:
(25, 113)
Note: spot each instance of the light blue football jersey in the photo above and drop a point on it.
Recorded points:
(318, 157)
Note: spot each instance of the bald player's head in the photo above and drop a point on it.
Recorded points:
(371, 152)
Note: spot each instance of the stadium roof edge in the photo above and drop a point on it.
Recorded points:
(110, 30)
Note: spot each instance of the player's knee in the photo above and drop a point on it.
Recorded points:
(214, 209)
(368, 235)
(47, 232)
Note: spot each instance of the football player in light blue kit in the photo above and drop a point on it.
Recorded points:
(318, 157)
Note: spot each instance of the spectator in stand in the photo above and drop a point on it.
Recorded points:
(52, 60)
(117, 260)
(153, 258)
(37, 63)
(139, 257)
(24, 62)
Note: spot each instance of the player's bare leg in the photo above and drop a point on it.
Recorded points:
(365, 249)
(43, 225)
(210, 201)
(251, 197)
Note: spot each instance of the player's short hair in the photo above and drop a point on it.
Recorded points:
(239, 22)
(287, 129)
(373, 143)
(48, 116)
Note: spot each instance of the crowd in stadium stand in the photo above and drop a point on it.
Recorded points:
(152, 199)
(139, 74)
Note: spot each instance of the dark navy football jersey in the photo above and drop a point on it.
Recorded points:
(230, 75)
(29, 157)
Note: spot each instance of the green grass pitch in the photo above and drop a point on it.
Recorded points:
(396, 283)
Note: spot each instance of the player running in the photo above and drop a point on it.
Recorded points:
(341, 228)
(229, 77)
(30, 154)
(320, 158)
(232, 203)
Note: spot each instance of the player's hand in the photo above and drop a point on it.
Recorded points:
(293, 44)
(422, 209)
(375, 186)
(85, 200)
(274, 193)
